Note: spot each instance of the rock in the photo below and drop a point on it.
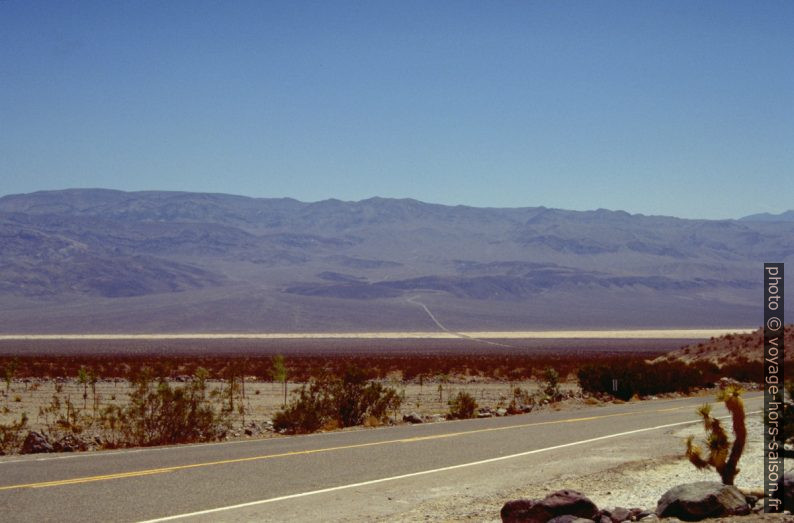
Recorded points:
(36, 443)
(520, 510)
(559, 503)
(617, 514)
(412, 418)
(570, 519)
(249, 432)
(501, 412)
(702, 499)
(70, 443)
(482, 414)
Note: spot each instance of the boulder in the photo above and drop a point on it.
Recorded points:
(501, 412)
(559, 503)
(412, 418)
(702, 499)
(36, 443)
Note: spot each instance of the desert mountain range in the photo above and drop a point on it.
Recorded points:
(94, 260)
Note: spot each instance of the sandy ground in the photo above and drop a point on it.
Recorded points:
(262, 399)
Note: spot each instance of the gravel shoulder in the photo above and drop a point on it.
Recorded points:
(618, 475)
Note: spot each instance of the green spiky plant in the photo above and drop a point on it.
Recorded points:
(723, 456)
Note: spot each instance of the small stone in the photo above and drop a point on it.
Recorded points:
(617, 514)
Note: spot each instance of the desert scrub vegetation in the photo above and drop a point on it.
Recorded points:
(160, 414)
(641, 378)
(300, 367)
(462, 406)
(156, 413)
(551, 384)
(723, 456)
(329, 402)
(11, 434)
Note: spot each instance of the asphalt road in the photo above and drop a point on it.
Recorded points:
(333, 476)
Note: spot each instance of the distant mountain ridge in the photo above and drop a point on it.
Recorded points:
(98, 259)
(787, 216)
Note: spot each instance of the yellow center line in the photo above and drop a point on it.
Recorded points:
(149, 472)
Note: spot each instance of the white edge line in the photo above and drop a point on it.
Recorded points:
(414, 474)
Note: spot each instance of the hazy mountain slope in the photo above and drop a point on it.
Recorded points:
(787, 216)
(728, 349)
(281, 264)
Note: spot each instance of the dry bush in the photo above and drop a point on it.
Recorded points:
(12, 434)
(462, 406)
(640, 378)
(345, 402)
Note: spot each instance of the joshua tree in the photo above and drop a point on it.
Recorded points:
(722, 455)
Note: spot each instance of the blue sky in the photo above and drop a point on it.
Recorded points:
(677, 108)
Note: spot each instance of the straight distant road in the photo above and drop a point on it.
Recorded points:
(347, 475)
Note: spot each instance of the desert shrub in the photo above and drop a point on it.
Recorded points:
(61, 417)
(12, 434)
(462, 406)
(521, 398)
(159, 414)
(306, 412)
(639, 377)
(551, 384)
(340, 401)
(744, 371)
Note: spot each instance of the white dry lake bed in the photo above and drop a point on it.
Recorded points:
(504, 335)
